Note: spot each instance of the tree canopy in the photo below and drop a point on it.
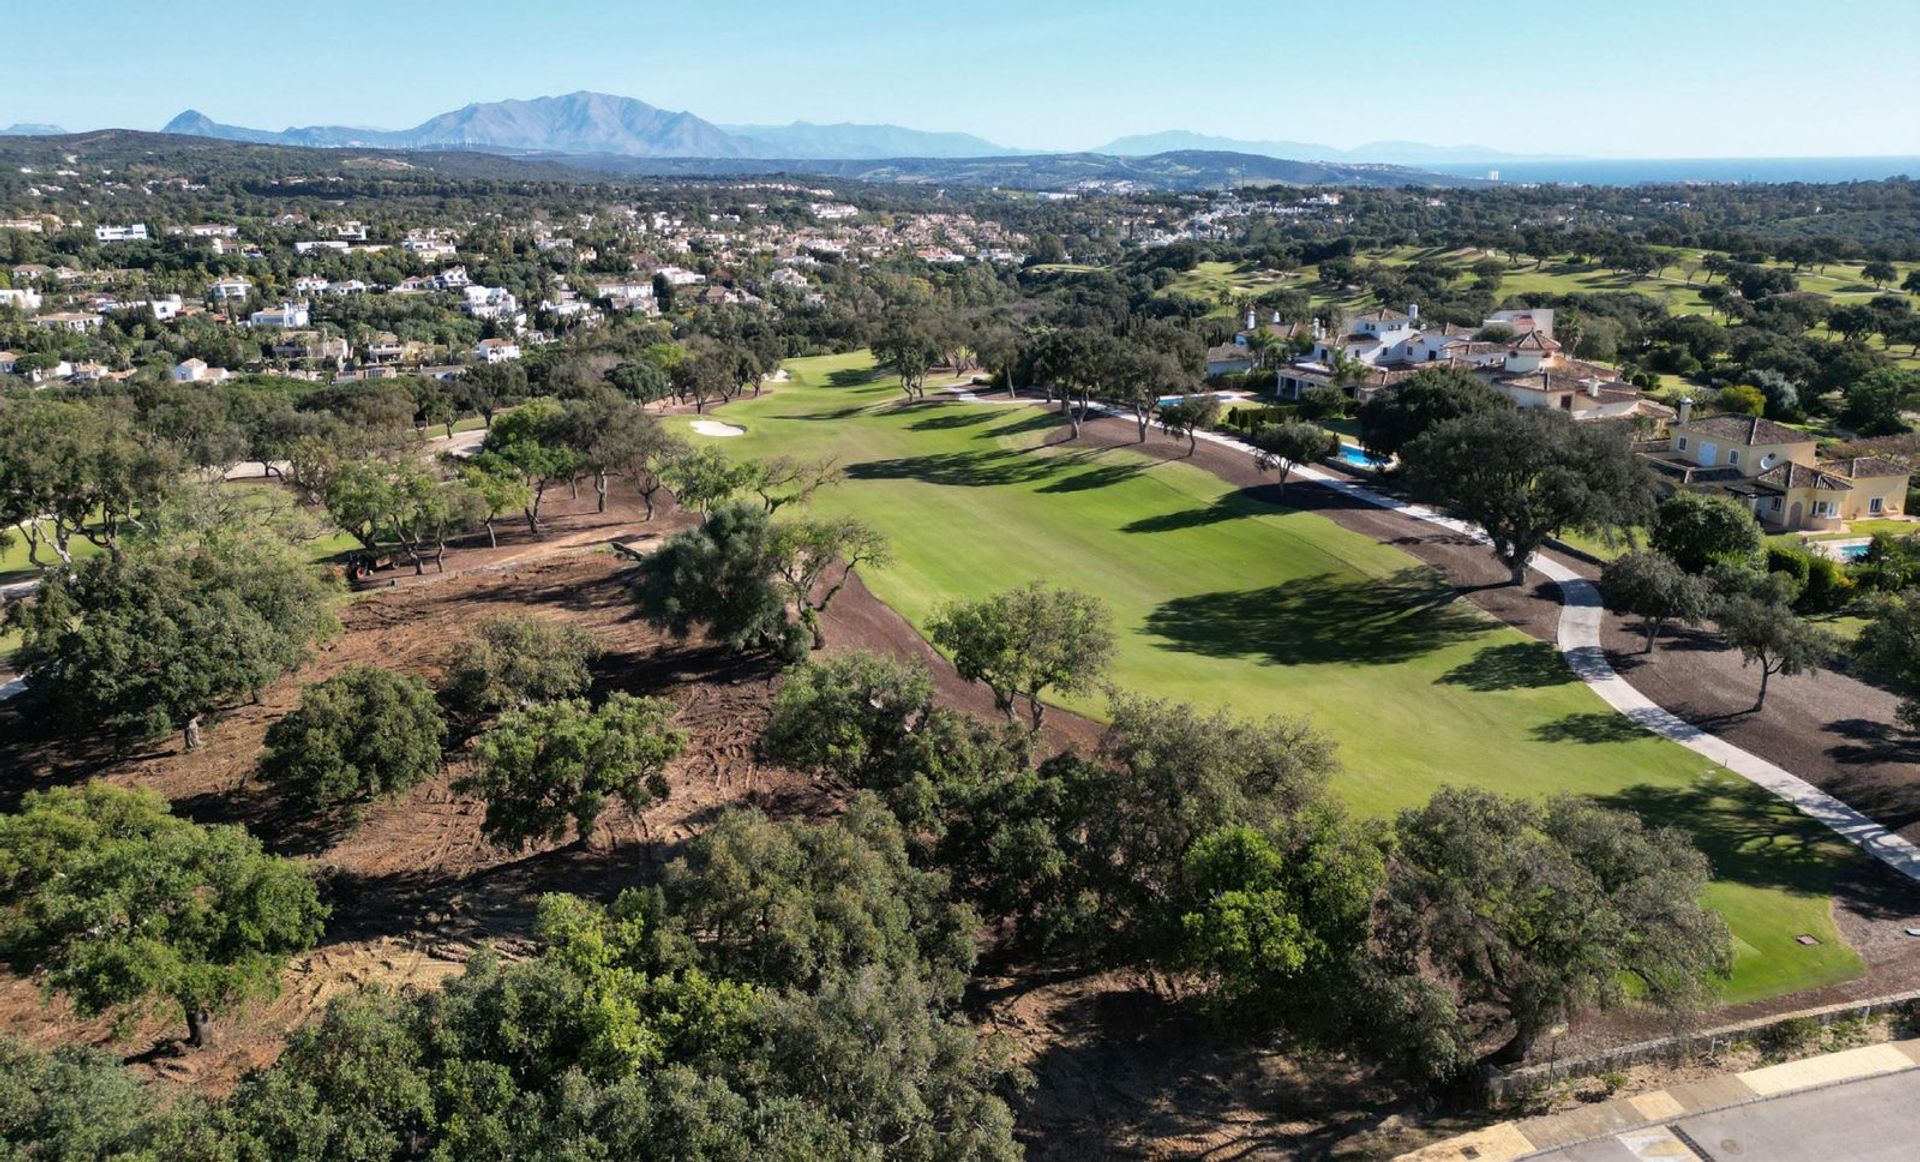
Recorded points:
(1524, 475)
(1397, 415)
(118, 901)
(145, 640)
(1540, 912)
(721, 577)
(1652, 587)
(1697, 529)
(549, 764)
(513, 659)
(1025, 642)
(360, 735)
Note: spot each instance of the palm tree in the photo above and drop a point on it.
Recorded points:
(1346, 369)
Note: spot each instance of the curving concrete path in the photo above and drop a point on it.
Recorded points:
(1578, 637)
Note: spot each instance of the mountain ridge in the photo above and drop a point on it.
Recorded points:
(851, 140)
(586, 122)
(581, 122)
(1373, 152)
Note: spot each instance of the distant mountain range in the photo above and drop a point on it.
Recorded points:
(803, 139)
(1179, 170)
(599, 123)
(1192, 170)
(1412, 153)
(31, 129)
(576, 123)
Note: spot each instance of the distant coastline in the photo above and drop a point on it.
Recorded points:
(1626, 172)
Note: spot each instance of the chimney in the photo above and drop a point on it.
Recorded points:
(1686, 411)
(1319, 331)
(1276, 318)
(1252, 319)
(1413, 311)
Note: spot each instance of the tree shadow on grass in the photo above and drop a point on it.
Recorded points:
(1749, 836)
(953, 418)
(852, 376)
(1513, 666)
(1102, 477)
(1591, 728)
(985, 469)
(1186, 518)
(845, 413)
(1261, 498)
(1028, 421)
(1324, 618)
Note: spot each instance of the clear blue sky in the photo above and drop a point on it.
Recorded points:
(1606, 78)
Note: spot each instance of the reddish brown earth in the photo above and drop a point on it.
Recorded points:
(414, 886)
(1119, 1070)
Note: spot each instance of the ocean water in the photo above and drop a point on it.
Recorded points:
(1711, 169)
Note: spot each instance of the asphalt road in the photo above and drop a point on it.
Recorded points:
(1873, 1120)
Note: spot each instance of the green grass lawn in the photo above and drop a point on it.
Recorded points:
(15, 566)
(1222, 282)
(1596, 547)
(1225, 599)
(1854, 530)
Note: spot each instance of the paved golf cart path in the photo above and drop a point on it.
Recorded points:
(1578, 639)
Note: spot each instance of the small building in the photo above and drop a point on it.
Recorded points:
(283, 316)
(134, 233)
(230, 288)
(78, 322)
(1228, 359)
(197, 371)
(495, 351)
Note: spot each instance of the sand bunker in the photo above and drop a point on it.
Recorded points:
(716, 428)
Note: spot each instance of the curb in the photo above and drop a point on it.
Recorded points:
(1533, 1137)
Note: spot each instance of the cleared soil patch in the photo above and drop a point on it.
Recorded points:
(414, 887)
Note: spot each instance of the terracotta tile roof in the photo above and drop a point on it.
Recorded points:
(1748, 430)
(1865, 468)
(1791, 475)
(1535, 341)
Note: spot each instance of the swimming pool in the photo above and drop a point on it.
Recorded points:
(1855, 552)
(1357, 457)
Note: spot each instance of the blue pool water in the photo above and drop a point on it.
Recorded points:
(1349, 454)
(1854, 552)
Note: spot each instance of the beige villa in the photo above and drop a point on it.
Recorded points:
(1774, 470)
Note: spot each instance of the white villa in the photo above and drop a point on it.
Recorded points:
(495, 351)
(1513, 352)
(283, 316)
(197, 371)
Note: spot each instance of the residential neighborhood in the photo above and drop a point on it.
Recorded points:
(843, 583)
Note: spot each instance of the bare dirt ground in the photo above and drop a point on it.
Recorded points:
(414, 886)
(1120, 1070)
